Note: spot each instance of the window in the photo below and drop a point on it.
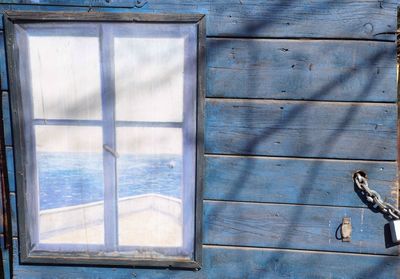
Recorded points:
(107, 122)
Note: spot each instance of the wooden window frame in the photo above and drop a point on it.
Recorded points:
(29, 256)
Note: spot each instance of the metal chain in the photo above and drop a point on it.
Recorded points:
(373, 197)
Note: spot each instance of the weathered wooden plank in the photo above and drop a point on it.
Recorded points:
(280, 180)
(10, 168)
(293, 227)
(5, 255)
(298, 181)
(311, 70)
(1, 219)
(3, 66)
(6, 119)
(92, 3)
(290, 69)
(5, 259)
(55, 8)
(277, 18)
(237, 263)
(13, 206)
(254, 18)
(303, 129)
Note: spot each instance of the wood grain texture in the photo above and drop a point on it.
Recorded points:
(297, 181)
(67, 16)
(283, 180)
(47, 8)
(365, 19)
(237, 263)
(285, 18)
(293, 227)
(92, 3)
(290, 69)
(6, 119)
(301, 129)
(3, 66)
(10, 168)
(331, 70)
(13, 206)
(5, 271)
(310, 70)
(2, 220)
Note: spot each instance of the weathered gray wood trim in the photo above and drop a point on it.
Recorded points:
(77, 3)
(24, 16)
(18, 132)
(201, 93)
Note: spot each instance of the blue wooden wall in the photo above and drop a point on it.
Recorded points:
(299, 95)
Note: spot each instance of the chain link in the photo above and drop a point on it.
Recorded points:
(373, 197)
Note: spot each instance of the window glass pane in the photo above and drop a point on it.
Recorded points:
(65, 74)
(149, 171)
(71, 189)
(149, 78)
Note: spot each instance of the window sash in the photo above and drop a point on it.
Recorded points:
(109, 125)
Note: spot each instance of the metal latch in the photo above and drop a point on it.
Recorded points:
(112, 151)
(346, 229)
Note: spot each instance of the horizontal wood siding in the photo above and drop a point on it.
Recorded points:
(302, 70)
(237, 263)
(292, 69)
(3, 65)
(300, 94)
(14, 224)
(6, 119)
(91, 3)
(10, 169)
(303, 129)
(294, 227)
(367, 19)
(267, 180)
(296, 181)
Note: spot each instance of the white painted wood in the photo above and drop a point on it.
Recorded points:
(149, 79)
(65, 76)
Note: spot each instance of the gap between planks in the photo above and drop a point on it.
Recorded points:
(306, 39)
(295, 158)
(268, 100)
(276, 249)
(280, 204)
(289, 158)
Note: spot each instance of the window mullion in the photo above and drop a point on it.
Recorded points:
(109, 142)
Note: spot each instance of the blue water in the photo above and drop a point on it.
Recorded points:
(67, 179)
